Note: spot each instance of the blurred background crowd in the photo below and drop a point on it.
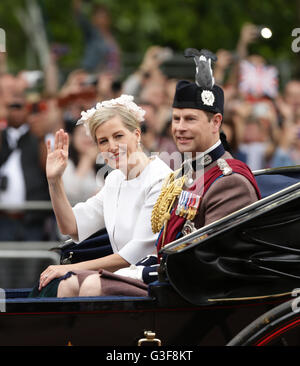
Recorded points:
(261, 119)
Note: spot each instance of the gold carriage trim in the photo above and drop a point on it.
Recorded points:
(171, 189)
(251, 297)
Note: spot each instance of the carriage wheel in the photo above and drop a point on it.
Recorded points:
(277, 327)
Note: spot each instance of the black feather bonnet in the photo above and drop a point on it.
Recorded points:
(203, 93)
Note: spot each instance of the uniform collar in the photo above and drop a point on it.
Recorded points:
(207, 157)
(191, 166)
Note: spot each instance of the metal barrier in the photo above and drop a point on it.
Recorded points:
(28, 205)
(22, 262)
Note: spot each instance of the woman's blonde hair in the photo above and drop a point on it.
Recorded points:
(104, 114)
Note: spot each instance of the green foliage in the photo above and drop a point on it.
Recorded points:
(178, 24)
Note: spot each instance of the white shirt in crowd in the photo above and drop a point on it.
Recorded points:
(15, 192)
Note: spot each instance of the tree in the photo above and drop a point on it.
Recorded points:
(177, 24)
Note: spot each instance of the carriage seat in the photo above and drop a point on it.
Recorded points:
(275, 179)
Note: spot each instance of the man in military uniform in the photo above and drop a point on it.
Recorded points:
(211, 184)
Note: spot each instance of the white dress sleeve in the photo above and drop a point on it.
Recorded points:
(89, 216)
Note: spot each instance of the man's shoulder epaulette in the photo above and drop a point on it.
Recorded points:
(224, 167)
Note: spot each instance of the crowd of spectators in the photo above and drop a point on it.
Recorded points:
(261, 122)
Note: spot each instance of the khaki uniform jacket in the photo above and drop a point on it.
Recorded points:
(225, 196)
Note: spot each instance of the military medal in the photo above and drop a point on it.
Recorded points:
(194, 206)
(179, 204)
(188, 204)
(183, 203)
(190, 207)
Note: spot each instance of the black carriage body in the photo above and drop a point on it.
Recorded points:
(197, 303)
(111, 321)
(253, 253)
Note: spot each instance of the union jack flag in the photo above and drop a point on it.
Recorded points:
(258, 80)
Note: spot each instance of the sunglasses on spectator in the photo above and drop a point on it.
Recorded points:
(37, 107)
(16, 106)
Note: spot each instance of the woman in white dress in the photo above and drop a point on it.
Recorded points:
(123, 206)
